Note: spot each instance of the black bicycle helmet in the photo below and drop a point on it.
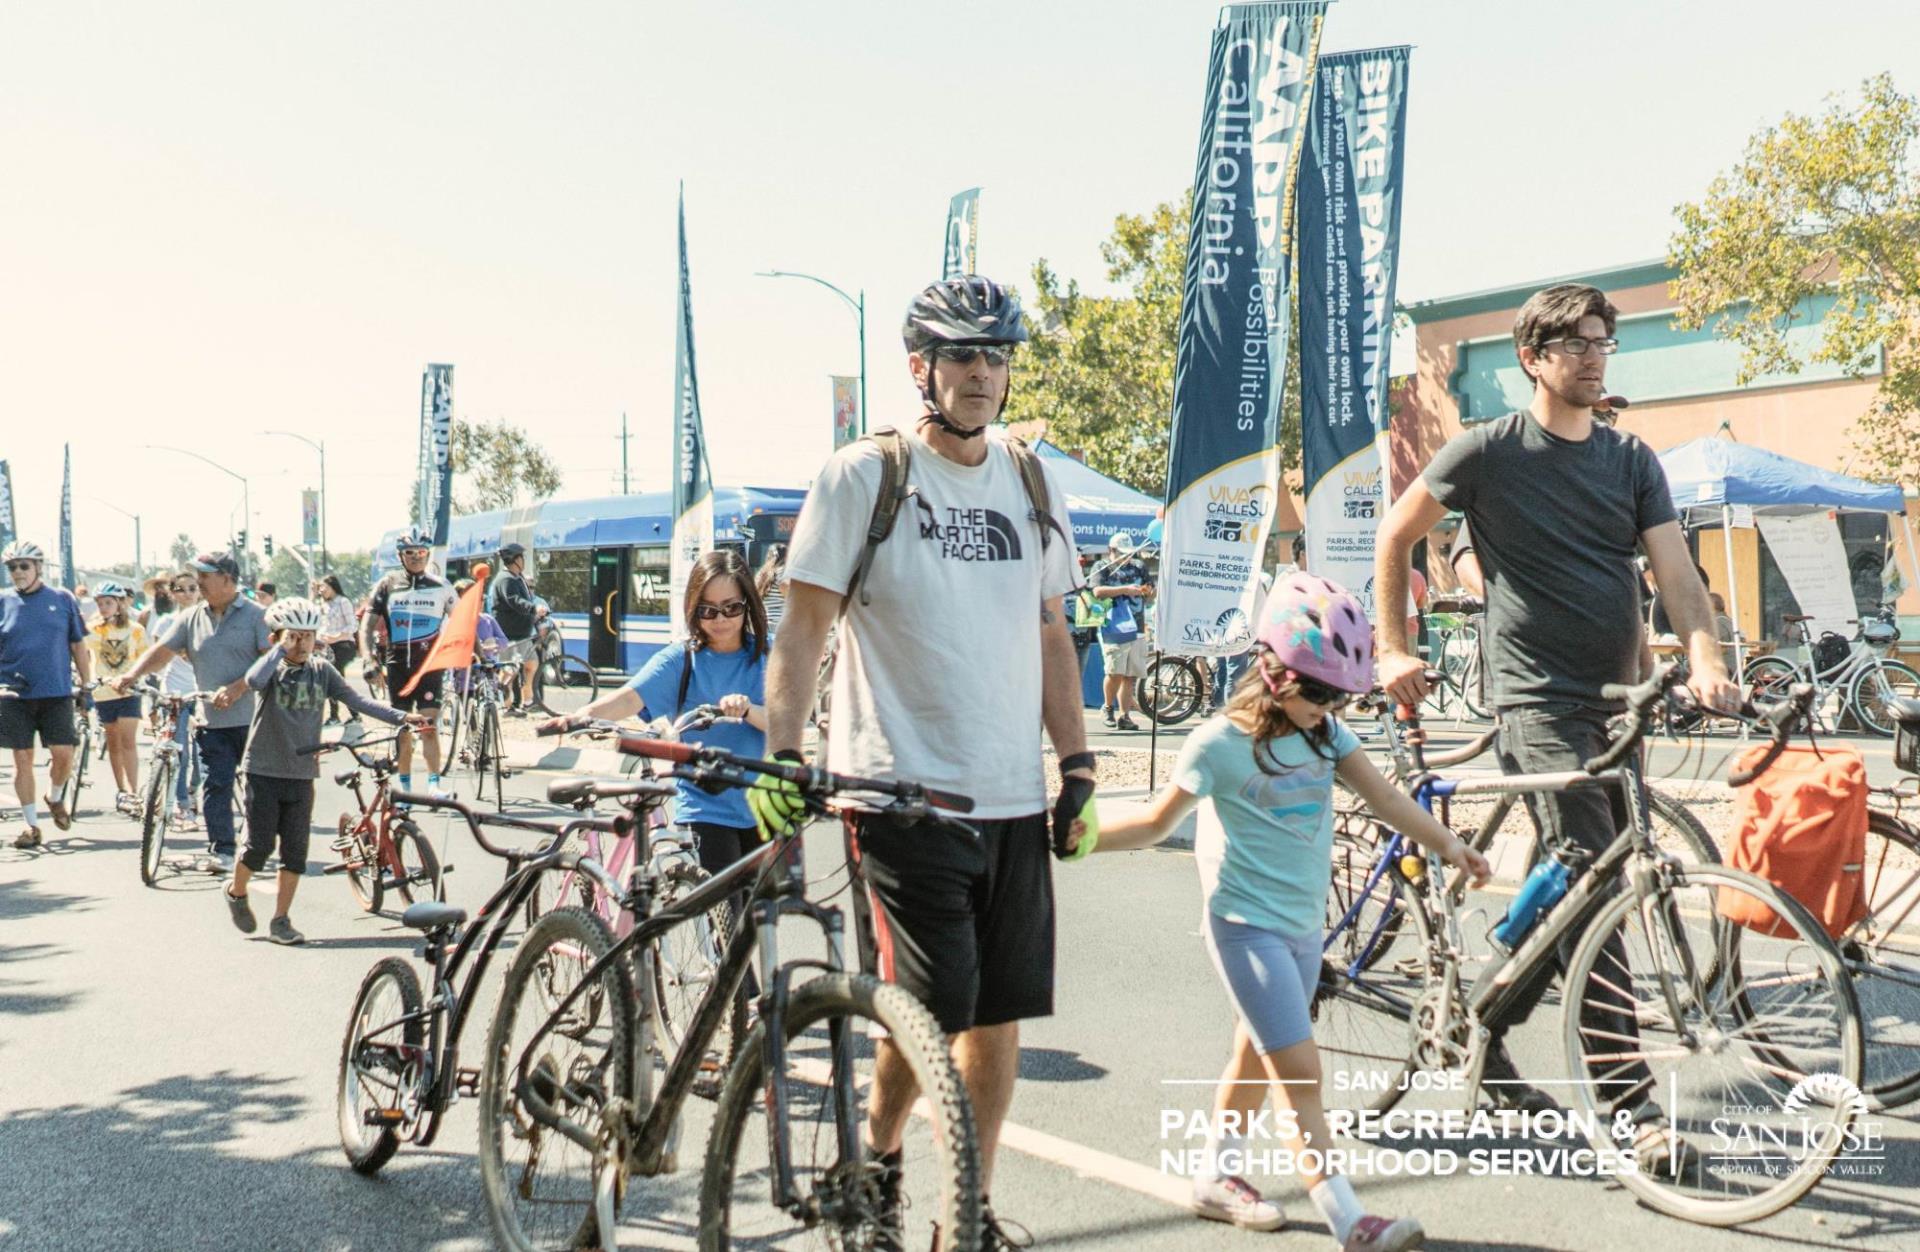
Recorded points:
(511, 552)
(964, 310)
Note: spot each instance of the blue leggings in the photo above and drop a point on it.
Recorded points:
(188, 763)
(1270, 978)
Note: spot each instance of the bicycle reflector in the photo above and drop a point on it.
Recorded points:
(658, 749)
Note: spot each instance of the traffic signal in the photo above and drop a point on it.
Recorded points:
(240, 544)
(267, 542)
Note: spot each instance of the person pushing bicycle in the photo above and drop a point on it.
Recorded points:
(1557, 504)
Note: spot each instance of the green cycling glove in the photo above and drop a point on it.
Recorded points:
(1075, 802)
(776, 803)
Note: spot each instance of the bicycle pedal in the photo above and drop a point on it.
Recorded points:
(466, 1081)
(384, 1117)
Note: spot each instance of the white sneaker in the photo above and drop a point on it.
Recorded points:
(1233, 1199)
(216, 863)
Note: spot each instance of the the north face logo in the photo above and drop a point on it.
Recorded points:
(970, 534)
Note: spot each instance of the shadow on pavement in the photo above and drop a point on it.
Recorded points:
(24, 899)
(1057, 1065)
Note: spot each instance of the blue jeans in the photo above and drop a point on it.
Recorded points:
(221, 748)
(189, 763)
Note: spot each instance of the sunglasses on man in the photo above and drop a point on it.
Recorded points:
(15, 566)
(964, 353)
(731, 609)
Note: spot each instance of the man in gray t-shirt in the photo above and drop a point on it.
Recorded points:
(1557, 503)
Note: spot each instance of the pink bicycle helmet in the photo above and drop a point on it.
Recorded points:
(1319, 629)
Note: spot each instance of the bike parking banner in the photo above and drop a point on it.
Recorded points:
(8, 530)
(1223, 464)
(1349, 251)
(436, 450)
(66, 516)
(846, 409)
(1813, 559)
(692, 477)
(960, 252)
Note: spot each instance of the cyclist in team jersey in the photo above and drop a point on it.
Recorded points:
(938, 680)
(407, 608)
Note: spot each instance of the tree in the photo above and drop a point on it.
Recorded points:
(355, 572)
(495, 466)
(1820, 205)
(1099, 371)
(182, 550)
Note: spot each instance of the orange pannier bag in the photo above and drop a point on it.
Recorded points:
(1802, 826)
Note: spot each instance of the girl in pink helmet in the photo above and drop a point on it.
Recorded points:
(1267, 764)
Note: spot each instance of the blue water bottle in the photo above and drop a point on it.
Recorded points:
(1540, 892)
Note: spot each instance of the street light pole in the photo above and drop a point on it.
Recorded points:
(859, 307)
(246, 494)
(320, 446)
(139, 568)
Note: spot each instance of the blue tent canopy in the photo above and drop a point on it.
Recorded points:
(1099, 505)
(1712, 472)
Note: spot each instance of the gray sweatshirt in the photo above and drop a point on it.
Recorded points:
(292, 706)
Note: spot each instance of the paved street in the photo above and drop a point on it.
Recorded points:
(168, 1083)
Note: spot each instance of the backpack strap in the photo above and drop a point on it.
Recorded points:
(895, 460)
(1034, 479)
(686, 679)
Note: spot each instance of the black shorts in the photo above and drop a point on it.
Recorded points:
(424, 696)
(282, 809)
(966, 926)
(51, 719)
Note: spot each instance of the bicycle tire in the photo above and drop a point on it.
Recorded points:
(363, 874)
(419, 864)
(564, 685)
(1768, 677)
(77, 779)
(1356, 846)
(599, 1022)
(1883, 957)
(943, 1150)
(1870, 706)
(1817, 1041)
(686, 960)
(1473, 686)
(1171, 690)
(492, 756)
(454, 714)
(153, 819)
(1365, 1023)
(366, 1153)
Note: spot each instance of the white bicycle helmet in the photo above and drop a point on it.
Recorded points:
(295, 613)
(108, 587)
(24, 550)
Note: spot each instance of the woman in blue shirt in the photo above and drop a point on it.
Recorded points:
(723, 663)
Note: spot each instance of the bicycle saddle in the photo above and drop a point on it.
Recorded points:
(346, 778)
(1905, 711)
(1796, 617)
(432, 915)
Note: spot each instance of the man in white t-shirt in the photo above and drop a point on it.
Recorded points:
(954, 652)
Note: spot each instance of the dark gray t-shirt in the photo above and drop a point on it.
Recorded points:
(1555, 525)
(293, 699)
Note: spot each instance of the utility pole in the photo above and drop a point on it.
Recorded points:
(624, 489)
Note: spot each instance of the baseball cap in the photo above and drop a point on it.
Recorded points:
(216, 563)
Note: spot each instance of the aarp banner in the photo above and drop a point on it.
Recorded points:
(1223, 466)
(436, 451)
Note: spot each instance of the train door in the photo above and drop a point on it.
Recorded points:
(609, 608)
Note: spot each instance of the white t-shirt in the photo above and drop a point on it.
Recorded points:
(178, 675)
(939, 678)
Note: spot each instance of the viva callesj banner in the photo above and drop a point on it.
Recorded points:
(1223, 466)
(692, 480)
(436, 450)
(1349, 252)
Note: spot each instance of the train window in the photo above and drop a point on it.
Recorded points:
(564, 580)
(651, 572)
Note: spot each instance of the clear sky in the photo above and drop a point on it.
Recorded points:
(219, 219)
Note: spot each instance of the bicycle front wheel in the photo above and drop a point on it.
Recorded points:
(1171, 690)
(564, 684)
(1882, 953)
(547, 1068)
(1717, 992)
(838, 1189)
(1874, 692)
(153, 819)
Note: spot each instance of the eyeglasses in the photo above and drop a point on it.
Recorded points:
(185, 589)
(731, 609)
(1313, 691)
(1575, 345)
(19, 565)
(964, 353)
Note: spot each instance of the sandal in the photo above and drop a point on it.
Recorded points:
(29, 838)
(61, 818)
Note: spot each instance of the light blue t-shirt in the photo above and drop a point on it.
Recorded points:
(1270, 854)
(715, 674)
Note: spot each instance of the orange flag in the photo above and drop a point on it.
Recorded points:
(454, 648)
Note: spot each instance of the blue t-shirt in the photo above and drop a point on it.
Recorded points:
(715, 674)
(1269, 856)
(37, 632)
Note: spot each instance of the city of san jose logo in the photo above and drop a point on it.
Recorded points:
(1824, 1122)
(1233, 626)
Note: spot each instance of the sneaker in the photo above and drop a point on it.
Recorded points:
(281, 930)
(889, 1226)
(241, 910)
(189, 822)
(1505, 1089)
(216, 863)
(1236, 1201)
(1125, 723)
(996, 1235)
(1107, 715)
(1384, 1234)
(1658, 1149)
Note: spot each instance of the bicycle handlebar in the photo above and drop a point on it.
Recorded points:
(561, 832)
(583, 792)
(1781, 717)
(816, 782)
(367, 762)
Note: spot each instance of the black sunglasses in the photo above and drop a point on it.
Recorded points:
(14, 565)
(1313, 691)
(964, 353)
(732, 608)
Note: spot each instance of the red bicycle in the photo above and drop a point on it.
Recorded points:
(380, 848)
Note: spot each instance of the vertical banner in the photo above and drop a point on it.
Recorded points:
(1223, 466)
(310, 517)
(846, 410)
(9, 529)
(66, 517)
(436, 450)
(1349, 254)
(692, 477)
(960, 254)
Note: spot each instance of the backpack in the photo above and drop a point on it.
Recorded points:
(1802, 826)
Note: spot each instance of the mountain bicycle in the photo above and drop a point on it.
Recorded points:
(400, 1059)
(380, 847)
(1882, 949)
(570, 1119)
(157, 807)
(1854, 673)
(472, 729)
(1673, 1012)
